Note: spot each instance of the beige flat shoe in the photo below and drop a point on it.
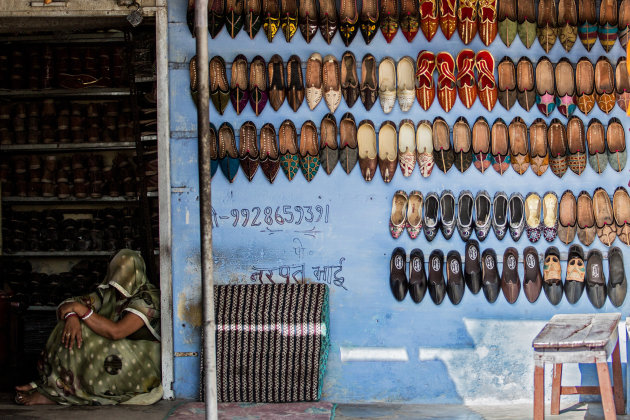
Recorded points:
(387, 84)
(332, 82)
(406, 91)
(314, 80)
(387, 150)
(407, 147)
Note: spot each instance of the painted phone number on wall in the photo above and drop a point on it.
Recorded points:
(285, 214)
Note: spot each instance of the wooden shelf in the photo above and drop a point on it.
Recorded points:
(57, 254)
(62, 147)
(47, 93)
(69, 200)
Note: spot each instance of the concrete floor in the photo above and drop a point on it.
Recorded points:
(380, 411)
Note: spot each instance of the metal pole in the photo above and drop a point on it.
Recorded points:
(207, 266)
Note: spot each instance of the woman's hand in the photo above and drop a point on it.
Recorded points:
(72, 332)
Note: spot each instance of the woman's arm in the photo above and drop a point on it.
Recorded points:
(104, 327)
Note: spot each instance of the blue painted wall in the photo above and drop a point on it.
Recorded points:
(475, 352)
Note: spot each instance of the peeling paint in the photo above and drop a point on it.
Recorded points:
(189, 311)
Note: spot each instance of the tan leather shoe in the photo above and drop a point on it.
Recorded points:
(567, 220)
(368, 155)
(547, 24)
(576, 140)
(621, 209)
(519, 146)
(603, 212)
(585, 219)
(605, 85)
(585, 84)
(539, 153)
(314, 80)
(387, 150)
(558, 148)
(622, 82)
(331, 82)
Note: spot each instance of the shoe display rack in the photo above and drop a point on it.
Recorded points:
(78, 158)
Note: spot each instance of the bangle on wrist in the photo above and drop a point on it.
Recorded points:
(70, 314)
(87, 315)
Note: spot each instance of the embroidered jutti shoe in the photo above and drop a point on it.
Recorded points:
(481, 145)
(428, 18)
(253, 20)
(216, 17)
(328, 149)
(616, 145)
(486, 84)
(539, 153)
(309, 150)
(519, 145)
(545, 86)
(466, 84)
(269, 157)
(389, 19)
(407, 147)
(567, 217)
(499, 147)
(368, 154)
(558, 147)
(587, 21)
(525, 83)
(567, 23)
(447, 18)
(271, 18)
(624, 23)
(409, 21)
(425, 90)
(467, 20)
(507, 83)
(348, 17)
(387, 151)
(368, 21)
(462, 144)
(576, 140)
(289, 18)
(604, 219)
(547, 24)
(424, 148)
(442, 149)
(621, 210)
(596, 143)
(289, 157)
(348, 151)
(219, 88)
(526, 14)
(622, 84)
(307, 18)
(228, 154)
(608, 21)
(605, 85)
(239, 95)
(234, 16)
(507, 21)
(565, 87)
(446, 80)
(585, 84)
(487, 21)
(248, 152)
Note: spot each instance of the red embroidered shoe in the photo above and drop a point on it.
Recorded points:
(488, 27)
(425, 91)
(486, 83)
(467, 20)
(446, 80)
(409, 19)
(428, 18)
(466, 84)
(448, 21)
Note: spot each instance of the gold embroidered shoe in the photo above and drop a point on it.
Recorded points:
(348, 17)
(448, 20)
(428, 18)
(289, 18)
(467, 20)
(409, 20)
(487, 21)
(271, 18)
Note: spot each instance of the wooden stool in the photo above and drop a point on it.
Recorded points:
(580, 338)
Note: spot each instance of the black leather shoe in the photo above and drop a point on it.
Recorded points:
(499, 215)
(447, 214)
(595, 278)
(437, 287)
(576, 271)
(472, 266)
(617, 284)
(431, 216)
(483, 210)
(552, 276)
(417, 276)
(454, 279)
(532, 279)
(510, 281)
(397, 274)
(465, 205)
(491, 280)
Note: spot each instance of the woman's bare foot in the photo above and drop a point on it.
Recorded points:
(25, 387)
(34, 398)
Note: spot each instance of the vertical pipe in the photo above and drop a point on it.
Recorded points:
(207, 281)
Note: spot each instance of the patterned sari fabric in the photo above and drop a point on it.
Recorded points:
(103, 371)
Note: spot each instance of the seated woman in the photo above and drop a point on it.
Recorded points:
(106, 347)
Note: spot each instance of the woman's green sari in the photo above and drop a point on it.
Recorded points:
(105, 371)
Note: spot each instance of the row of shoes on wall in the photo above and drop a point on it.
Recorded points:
(480, 271)
(106, 229)
(403, 82)
(470, 17)
(587, 216)
(559, 86)
(77, 175)
(38, 289)
(565, 22)
(427, 145)
(34, 67)
(54, 121)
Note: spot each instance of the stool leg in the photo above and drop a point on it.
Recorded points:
(539, 392)
(617, 380)
(555, 389)
(606, 391)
